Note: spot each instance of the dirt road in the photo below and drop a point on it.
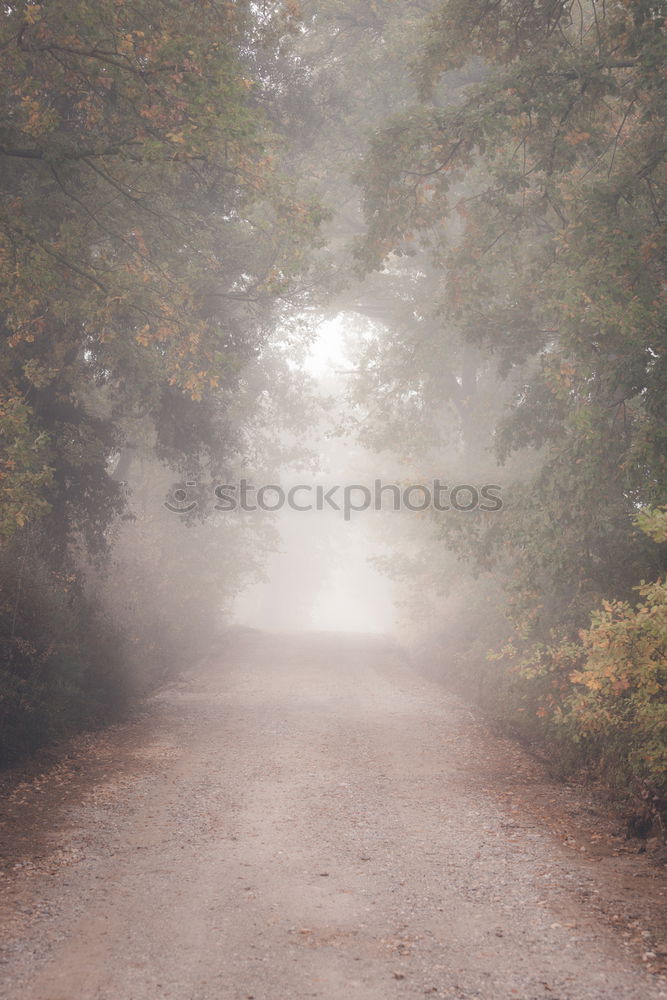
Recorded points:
(306, 817)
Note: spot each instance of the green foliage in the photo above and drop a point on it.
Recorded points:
(151, 236)
(63, 666)
(24, 472)
(146, 230)
(619, 706)
(598, 700)
(538, 191)
(653, 522)
(529, 187)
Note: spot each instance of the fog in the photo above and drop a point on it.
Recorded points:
(322, 574)
(333, 588)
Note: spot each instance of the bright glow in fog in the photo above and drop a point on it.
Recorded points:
(322, 577)
(329, 586)
(355, 597)
(327, 352)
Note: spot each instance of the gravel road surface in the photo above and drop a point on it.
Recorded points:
(306, 816)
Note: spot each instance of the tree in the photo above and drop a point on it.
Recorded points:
(149, 239)
(146, 230)
(539, 192)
